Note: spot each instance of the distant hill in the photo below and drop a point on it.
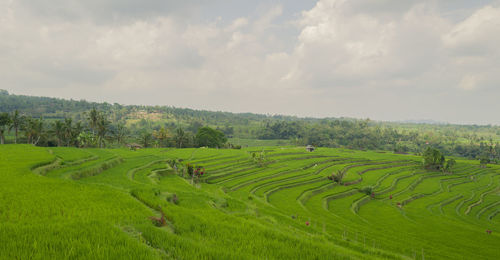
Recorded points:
(410, 136)
(57, 108)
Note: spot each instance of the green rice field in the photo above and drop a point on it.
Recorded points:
(253, 203)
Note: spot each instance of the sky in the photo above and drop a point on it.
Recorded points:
(387, 60)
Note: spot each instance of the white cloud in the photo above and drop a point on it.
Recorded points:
(346, 58)
(477, 35)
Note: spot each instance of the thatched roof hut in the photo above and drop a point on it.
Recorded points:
(134, 146)
(310, 148)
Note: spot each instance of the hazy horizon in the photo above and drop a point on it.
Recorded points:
(384, 60)
(410, 121)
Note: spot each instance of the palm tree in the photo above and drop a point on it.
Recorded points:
(58, 130)
(120, 133)
(93, 119)
(102, 128)
(4, 122)
(16, 122)
(37, 130)
(77, 129)
(162, 135)
(28, 127)
(146, 138)
(34, 130)
(68, 130)
(180, 137)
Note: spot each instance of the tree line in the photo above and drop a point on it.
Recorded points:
(368, 135)
(96, 130)
(178, 127)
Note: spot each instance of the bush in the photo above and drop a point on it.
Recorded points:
(368, 190)
(172, 198)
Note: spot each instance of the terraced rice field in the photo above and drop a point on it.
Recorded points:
(93, 204)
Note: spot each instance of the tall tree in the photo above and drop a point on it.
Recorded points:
(180, 137)
(38, 131)
(33, 130)
(120, 133)
(484, 159)
(146, 139)
(16, 121)
(28, 127)
(93, 118)
(102, 128)
(58, 131)
(4, 123)
(207, 136)
(449, 165)
(433, 159)
(75, 132)
(68, 130)
(162, 135)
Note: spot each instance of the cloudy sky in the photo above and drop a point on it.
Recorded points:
(384, 59)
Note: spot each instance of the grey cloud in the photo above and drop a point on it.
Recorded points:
(383, 59)
(110, 10)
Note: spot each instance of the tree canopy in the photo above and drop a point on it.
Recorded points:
(433, 159)
(209, 137)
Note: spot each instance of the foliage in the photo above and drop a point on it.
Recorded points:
(15, 124)
(209, 137)
(433, 159)
(181, 138)
(336, 176)
(368, 190)
(177, 127)
(146, 139)
(259, 158)
(450, 164)
(4, 123)
(484, 160)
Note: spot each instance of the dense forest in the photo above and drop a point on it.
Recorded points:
(48, 121)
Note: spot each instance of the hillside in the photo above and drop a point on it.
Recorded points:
(267, 203)
(470, 141)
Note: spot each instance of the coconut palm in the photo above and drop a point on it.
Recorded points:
(68, 130)
(120, 133)
(58, 131)
(28, 128)
(93, 119)
(16, 122)
(146, 139)
(162, 135)
(33, 130)
(102, 128)
(180, 137)
(38, 130)
(75, 132)
(4, 123)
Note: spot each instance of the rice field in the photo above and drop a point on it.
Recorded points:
(253, 203)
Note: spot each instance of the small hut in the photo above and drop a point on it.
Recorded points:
(310, 148)
(134, 146)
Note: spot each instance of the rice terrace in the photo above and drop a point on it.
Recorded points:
(91, 203)
(320, 129)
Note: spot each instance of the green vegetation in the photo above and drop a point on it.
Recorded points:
(167, 203)
(87, 124)
(433, 159)
(208, 137)
(242, 189)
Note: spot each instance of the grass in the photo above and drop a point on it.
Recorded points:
(67, 203)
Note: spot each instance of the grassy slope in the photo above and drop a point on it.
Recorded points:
(247, 211)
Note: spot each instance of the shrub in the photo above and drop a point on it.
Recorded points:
(368, 190)
(172, 198)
